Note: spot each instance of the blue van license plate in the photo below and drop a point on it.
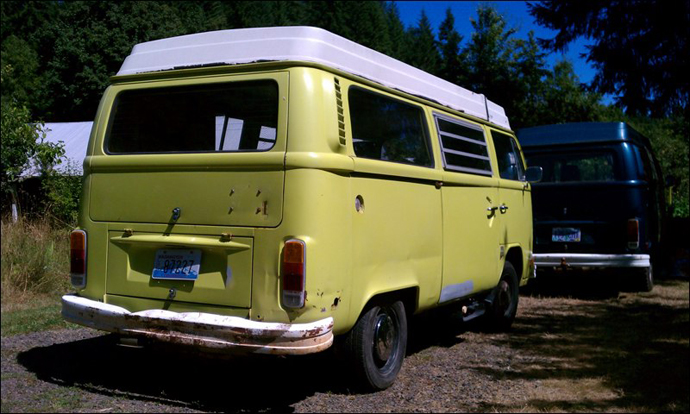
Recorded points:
(177, 264)
(566, 235)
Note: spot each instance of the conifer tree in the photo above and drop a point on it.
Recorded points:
(452, 65)
(423, 47)
(396, 32)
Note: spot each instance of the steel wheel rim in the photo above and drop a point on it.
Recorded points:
(385, 339)
(503, 298)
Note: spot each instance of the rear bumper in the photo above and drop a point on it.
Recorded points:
(201, 330)
(591, 260)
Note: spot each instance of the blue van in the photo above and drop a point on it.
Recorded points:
(600, 202)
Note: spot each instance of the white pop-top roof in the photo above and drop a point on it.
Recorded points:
(308, 44)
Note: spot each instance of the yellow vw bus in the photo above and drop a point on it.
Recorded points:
(266, 190)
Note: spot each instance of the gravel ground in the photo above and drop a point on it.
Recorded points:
(564, 354)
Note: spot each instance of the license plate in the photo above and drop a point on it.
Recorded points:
(177, 264)
(566, 235)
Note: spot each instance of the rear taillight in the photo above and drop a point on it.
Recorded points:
(77, 251)
(633, 234)
(294, 273)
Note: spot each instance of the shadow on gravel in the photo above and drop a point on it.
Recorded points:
(196, 381)
(439, 327)
(577, 284)
(185, 380)
(638, 343)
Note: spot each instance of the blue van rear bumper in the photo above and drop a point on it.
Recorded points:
(591, 260)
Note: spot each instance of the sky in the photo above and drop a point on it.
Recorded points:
(516, 15)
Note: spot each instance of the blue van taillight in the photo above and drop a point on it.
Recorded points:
(294, 273)
(633, 234)
(77, 252)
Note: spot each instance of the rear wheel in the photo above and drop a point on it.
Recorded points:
(377, 344)
(503, 308)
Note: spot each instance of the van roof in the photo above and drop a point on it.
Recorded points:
(310, 44)
(579, 133)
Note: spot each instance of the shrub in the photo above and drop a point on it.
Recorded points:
(61, 195)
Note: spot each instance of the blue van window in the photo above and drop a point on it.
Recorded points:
(645, 165)
(576, 166)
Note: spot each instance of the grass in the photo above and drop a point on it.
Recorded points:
(33, 320)
(35, 274)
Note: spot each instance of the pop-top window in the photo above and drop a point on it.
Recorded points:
(388, 129)
(576, 166)
(238, 116)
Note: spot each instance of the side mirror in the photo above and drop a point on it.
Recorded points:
(533, 174)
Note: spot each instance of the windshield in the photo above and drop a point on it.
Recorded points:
(576, 166)
(226, 117)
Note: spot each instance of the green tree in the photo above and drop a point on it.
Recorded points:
(329, 15)
(423, 47)
(641, 49)
(489, 55)
(396, 32)
(566, 100)
(453, 68)
(366, 24)
(89, 41)
(22, 141)
(528, 71)
(23, 59)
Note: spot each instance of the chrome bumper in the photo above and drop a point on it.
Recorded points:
(591, 260)
(203, 330)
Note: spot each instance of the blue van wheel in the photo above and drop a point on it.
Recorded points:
(644, 279)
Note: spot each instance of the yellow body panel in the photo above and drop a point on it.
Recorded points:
(418, 229)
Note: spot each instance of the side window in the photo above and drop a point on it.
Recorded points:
(649, 164)
(645, 164)
(463, 146)
(387, 129)
(509, 162)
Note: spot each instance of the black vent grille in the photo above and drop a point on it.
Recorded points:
(341, 112)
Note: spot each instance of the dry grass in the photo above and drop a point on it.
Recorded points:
(35, 264)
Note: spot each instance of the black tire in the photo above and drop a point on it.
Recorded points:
(644, 279)
(376, 346)
(505, 297)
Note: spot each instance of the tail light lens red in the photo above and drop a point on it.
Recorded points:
(294, 273)
(633, 234)
(77, 250)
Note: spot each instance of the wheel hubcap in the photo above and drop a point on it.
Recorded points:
(503, 298)
(384, 337)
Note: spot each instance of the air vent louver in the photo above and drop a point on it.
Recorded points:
(341, 112)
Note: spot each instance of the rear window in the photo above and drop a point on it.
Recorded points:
(576, 166)
(228, 117)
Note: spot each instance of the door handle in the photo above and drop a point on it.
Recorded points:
(503, 208)
(491, 209)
